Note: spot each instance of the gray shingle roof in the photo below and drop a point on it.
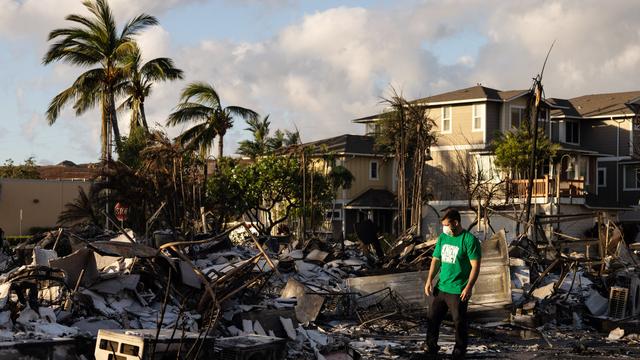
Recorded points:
(347, 143)
(609, 104)
(374, 198)
(470, 93)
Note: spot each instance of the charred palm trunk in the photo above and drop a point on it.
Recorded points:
(143, 116)
(114, 119)
(220, 146)
(105, 151)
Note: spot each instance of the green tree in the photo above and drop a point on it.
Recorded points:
(224, 195)
(260, 143)
(272, 186)
(513, 151)
(92, 41)
(213, 118)
(82, 210)
(140, 78)
(132, 146)
(27, 170)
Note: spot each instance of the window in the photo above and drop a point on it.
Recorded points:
(602, 177)
(542, 115)
(373, 170)
(583, 167)
(372, 128)
(446, 120)
(476, 117)
(485, 167)
(572, 132)
(632, 177)
(516, 117)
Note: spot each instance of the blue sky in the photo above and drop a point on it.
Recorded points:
(316, 64)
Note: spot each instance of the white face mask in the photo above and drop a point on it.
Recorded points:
(447, 230)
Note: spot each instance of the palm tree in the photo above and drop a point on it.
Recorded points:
(140, 78)
(81, 210)
(207, 108)
(91, 41)
(282, 139)
(260, 143)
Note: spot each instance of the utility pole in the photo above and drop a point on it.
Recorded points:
(534, 109)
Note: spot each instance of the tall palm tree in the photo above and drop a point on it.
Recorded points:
(282, 139)
(91, 41)
(260, 143)
(214, 119)
(140, 78)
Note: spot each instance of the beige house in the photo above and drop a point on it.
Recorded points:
(373, 189)
(596, 165)
(468, 120)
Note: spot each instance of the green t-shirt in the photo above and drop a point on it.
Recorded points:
(454, 253)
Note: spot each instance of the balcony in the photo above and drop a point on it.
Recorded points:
(547, 187)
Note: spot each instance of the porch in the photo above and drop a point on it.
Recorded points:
(547, 187)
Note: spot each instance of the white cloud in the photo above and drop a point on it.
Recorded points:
(35, 18)
(331, 66)
(595, 51)
(29, 127)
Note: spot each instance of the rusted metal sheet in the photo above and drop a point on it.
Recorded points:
(409, 286)
(128, 250)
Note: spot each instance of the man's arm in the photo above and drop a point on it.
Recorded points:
(473, 276)
(435, 265)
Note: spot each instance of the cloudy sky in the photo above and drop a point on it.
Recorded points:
(316, 65)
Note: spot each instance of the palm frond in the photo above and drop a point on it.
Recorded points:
(242, 112)
(135, 25)
(188, 112)
(202, 93)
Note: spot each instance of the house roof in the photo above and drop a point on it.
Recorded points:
(373, 199)
(68, 170)
(596, 105)
(478, 92)
(471, 93)
(347, 144)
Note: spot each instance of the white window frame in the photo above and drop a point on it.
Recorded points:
(604, 177)
(477, 112)
(624, 179)
(511, 108)
(377, 170)
(566, 132)
(443, 119)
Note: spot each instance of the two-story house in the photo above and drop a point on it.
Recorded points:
(604, 125)
(594, 166)
(372, 191)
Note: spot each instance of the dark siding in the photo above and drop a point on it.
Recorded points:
(493, 119)
(600, 136)
(606, 196)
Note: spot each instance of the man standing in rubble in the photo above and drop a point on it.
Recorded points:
(457, 255)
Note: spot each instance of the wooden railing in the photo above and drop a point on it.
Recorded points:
(518, 187)
(546, 187)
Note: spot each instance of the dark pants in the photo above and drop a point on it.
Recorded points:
(436, 313)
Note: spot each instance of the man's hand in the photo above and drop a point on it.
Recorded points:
(466, 294)
(428, 288)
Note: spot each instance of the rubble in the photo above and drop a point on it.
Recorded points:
(317, 299)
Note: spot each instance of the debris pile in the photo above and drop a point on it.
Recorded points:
(318, 298)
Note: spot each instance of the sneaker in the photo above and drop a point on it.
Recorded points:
(431, 353)
(457, 354)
